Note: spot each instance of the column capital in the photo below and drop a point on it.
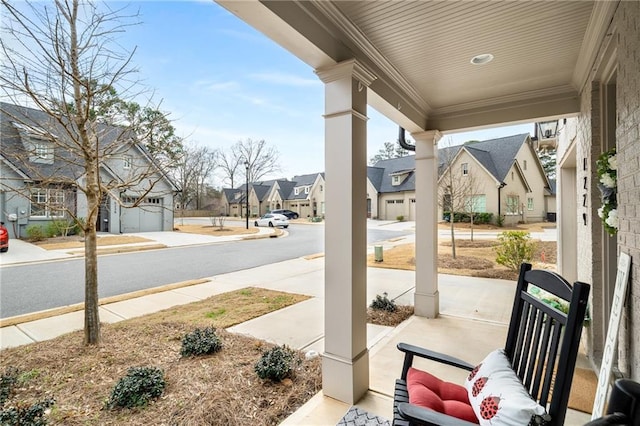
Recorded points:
(349, 68)
(431, 136)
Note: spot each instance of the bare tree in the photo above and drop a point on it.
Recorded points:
(193, 169)
(230, 163)
(262, 158)
(457, 186)
(62, 59)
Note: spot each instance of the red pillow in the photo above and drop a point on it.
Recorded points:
(430, 392)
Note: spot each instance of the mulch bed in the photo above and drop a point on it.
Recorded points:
(392, 319)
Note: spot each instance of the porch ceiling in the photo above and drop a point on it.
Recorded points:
(420, 52)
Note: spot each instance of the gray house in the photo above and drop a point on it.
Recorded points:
(40, 177)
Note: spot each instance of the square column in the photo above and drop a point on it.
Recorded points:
(427, 299)
(345, 361)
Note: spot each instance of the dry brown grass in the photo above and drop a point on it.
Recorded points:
(214, 230)
(217, 389)
(473, 258)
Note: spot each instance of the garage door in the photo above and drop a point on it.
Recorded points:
(147, 217)
(394, 208)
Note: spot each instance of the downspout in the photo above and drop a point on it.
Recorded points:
(502, 185)
(403, 142)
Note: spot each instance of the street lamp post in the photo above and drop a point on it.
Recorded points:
(246, 167)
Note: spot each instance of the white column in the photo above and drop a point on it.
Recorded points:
(345, 362)
(426, 299)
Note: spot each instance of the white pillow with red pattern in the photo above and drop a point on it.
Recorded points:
(498, 397)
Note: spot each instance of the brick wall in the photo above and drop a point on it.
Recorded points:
(628, 143)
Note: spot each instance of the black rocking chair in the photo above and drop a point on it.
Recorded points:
(542, 346)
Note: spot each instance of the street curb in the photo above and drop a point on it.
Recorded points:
(35, 316)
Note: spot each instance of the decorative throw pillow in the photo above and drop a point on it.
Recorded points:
(428, 391)
(498, 397)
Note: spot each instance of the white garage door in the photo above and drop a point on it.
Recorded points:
(147, 217)
(394, 208)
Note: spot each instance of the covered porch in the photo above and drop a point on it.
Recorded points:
(444, 67)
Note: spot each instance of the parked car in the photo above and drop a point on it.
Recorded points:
(288, 213)
(271, 220)
(4, 238)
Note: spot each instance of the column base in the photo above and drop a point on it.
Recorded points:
(427, 305)
(343, 379)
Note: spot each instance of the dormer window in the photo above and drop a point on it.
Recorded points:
(306, 189)
(43, 152)
(396, 180)
(238, 195)
(126, 162)
(296, 191)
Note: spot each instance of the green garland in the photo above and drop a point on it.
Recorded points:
(607, 165)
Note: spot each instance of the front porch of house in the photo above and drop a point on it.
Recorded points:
(464, 337)
(430, 68)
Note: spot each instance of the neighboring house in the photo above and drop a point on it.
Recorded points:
(37, 174)
(550, 201)
(395, 181)
(303, 195)
(508, 180)
(307, 196)
(233, 202)
(374, 183)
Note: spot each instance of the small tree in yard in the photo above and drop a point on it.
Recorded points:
(515, 248)
(63, 70)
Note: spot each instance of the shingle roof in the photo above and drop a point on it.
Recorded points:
(18, 121)
(375, 176)
(496, 155)
(395, 165)
(261, 190)
(230, 194)
(300, 181)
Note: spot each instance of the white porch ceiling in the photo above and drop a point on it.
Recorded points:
(420, 52)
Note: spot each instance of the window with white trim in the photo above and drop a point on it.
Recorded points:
(126, 162)
(396, 180)
(524, 164)
(476, 203)
(512, 204)
(529, 203)
(42, 152)
(306, 189)
(296, 191)
(465, 169)
(47, 203)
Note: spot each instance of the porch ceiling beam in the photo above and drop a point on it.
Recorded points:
(523, 110)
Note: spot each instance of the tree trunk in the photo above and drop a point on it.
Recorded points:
(471, 226)
(453, 235)
(91, 314)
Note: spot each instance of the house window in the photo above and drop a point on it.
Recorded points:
(465, 169)
(296, 191)
(391, 201)
(524, 164)
(512, 204)
(476, 204)
(42, 152)
(306, 189)
(396, 180)
(47, 203)
(126, 162)
(530, 203)
(321, 188)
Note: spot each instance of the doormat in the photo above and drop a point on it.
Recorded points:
(583, 390)
(359, 417)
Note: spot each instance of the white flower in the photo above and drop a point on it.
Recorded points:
(601, 212)
(607, 180)
(612, 219)
(613, 162)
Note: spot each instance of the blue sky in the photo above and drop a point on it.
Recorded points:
(223, 81)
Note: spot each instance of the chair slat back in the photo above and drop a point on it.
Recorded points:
(543, 342)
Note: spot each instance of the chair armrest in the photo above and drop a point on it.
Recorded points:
(410, 351)
(424, 416)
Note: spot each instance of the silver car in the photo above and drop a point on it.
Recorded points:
(271, 220)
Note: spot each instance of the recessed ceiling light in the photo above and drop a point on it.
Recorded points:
(485, 58)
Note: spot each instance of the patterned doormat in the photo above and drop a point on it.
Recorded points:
(359, 417)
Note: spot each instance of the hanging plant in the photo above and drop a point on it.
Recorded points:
(608, 184)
